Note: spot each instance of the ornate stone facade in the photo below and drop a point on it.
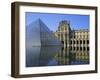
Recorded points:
(74, 40)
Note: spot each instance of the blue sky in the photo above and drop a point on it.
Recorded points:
(52, 20)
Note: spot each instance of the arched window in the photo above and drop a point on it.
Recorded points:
(80, 48)
(87, 41)
(88, 48)
(80, 41)
(74, 48)
(83, 41)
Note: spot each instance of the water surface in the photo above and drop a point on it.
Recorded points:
(55, 56)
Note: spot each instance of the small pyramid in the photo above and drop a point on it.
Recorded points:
(38, 34)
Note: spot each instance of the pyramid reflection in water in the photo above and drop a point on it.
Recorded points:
(38, 34)
(41, 49)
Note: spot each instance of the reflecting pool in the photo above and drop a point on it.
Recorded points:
(55, 56)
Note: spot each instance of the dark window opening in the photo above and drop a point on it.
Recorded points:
(83, 48)
(77, 48)
(74, 48)
(80, 41)
(80, 48)
(87, 41)
(62, 42)
(71, 42)
(77, 42)
(83, 41)
(74, 36)
(88, 48)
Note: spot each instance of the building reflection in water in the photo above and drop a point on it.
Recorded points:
(66, 57)
(55, 56)
(75, 50)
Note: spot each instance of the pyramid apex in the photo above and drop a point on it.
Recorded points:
(39, 20)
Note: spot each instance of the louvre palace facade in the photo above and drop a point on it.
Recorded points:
(73, 40)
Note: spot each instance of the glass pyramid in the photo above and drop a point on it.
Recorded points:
(38, 34)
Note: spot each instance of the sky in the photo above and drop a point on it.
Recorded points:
(52, 20)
